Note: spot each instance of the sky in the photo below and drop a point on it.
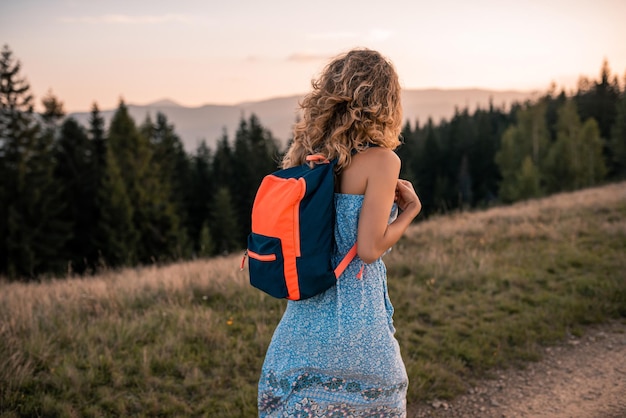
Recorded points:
(231, 51)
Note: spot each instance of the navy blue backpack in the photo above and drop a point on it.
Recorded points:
(292, 238)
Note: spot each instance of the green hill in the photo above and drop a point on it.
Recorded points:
(472, 292)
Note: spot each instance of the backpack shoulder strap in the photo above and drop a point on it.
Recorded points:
(317, 158)
(321, 159)
(346, 260)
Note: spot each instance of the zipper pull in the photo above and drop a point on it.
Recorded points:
(243, 260)
(360, 274)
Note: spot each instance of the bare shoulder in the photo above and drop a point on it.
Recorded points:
(380, 155)
(381, 159)
(373, 163)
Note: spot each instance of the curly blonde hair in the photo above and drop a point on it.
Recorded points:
(354, 104)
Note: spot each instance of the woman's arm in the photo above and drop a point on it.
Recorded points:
(375, 236)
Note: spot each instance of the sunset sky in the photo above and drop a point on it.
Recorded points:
(226, 52)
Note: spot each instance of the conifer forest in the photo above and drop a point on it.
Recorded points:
(77, 199)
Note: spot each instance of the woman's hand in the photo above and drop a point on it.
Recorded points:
(407, 199)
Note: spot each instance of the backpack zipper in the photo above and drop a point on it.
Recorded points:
(259, 257)
(243, 260)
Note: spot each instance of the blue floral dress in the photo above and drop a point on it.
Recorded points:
(335, 354)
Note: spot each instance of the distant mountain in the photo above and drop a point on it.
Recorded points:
(164, 103)
(208, 122)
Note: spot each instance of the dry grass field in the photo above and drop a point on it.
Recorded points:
(473, 292)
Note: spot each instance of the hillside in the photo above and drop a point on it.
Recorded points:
(473, 292)
(278, 115)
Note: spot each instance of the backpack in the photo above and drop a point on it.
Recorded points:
(292, 236)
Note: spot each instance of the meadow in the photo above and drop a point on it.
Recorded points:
(473, 292)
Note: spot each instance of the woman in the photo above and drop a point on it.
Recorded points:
(335, 354)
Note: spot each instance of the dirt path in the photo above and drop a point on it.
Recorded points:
(582, 378)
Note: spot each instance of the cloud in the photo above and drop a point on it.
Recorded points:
(306, 57)
(130, 20)
(379, 34)
(374, 35)
(331, 36)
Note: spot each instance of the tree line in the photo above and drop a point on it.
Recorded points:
(79, 198)
(558, 142)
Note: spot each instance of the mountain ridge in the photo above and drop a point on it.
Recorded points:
(208, 122)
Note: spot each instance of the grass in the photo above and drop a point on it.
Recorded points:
(472, 292)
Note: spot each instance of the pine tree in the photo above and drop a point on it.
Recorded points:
(575, 160)
(175, 169)
(31, 228)
(553, 104)
(98, 139)
(206, 246)
(243, 183)
(203, 189)
(224, 223)
(529, 137)
(598, 100)
(53, 110)
(116, 237)
(563, 165)
(98, 177)
(17, 126)
(36, 230)
(255, 155)
(508, 161)
(461, 138)
(75, 170)
(618, 139)
(591, 145)
(224, 178)
(528, 180)
(408, 152)
(154, 217)
(222, 167)
(465, 183)
(535, 131)
(483, 169)
(429, 169)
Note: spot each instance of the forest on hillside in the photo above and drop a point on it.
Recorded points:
(76, 199)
